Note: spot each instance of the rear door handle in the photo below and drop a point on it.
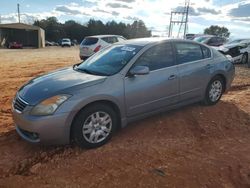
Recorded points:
(209, 66)
(172, 77)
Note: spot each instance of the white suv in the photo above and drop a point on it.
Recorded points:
(66, 42)
(93, 44)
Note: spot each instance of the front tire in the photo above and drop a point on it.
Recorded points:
(214, 91)
(94, 126)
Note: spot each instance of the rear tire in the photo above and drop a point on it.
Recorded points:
(94, 126)
(214, 91)
(244, 58)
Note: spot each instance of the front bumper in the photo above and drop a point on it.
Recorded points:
(85, 54)
(237, 59)
(51, 130)
(229, 76)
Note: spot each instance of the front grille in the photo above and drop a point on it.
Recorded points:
(19, 104)
(233, 52)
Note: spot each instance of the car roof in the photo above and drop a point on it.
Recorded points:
(101, 36)
(152, 40)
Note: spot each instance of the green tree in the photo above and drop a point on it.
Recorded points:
(217, 30)
(53, 29)
(96, 27)
(137, 30)
(73, 30)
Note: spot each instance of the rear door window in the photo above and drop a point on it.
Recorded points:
(188, 52)
(106, 39)
(89, 41)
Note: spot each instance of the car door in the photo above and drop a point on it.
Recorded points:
(194, 66)
(145, 93)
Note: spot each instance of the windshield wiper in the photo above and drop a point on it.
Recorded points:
(75, 67)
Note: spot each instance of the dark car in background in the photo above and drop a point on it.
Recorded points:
(211, 40)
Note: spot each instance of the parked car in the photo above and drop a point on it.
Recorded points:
(211, 40)
(74, 42)
(124, 82)
(237, 41)
(190, 36)
(66, 42)
(238, 49)
(54, 43)
(15, 45)
(93, 44)
(47, 43)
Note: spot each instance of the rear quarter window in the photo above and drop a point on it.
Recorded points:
(89, 41)
(120, 39)
(110, 40)
(206, 52)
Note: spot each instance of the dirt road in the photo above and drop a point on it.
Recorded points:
(195, 146)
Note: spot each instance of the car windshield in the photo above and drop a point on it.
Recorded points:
(65, 40)
(89, 41)
(110, 60)
(201, 39)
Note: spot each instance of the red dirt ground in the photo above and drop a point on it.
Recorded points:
(195, 146)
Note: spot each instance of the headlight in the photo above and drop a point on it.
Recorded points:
(49, 106)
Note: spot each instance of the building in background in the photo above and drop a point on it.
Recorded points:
(27, 35)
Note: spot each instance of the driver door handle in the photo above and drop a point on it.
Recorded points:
(172, 77)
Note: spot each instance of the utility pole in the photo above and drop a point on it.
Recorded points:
(18, 12)
(184, 20)
(186, 24)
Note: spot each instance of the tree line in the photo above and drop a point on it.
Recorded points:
(55, 30)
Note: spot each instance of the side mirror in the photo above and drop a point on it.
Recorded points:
(139, 70)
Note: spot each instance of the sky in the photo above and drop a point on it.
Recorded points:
(233, 14)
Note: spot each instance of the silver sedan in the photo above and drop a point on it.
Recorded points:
(88, 102)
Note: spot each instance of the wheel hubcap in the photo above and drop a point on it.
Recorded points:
(215, 91)
(97, 127)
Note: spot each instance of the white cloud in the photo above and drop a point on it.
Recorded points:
(155, 14)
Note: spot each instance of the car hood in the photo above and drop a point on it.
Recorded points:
(226, 47)
(62, 81)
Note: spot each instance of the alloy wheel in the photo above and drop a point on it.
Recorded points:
(215, 90)
(97, 127)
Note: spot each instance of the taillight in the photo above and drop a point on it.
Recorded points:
(97, 48)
